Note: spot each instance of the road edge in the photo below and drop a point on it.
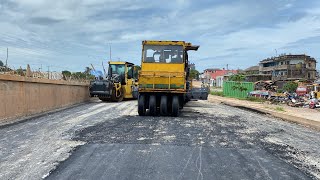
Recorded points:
(286, 117)
(13, 121)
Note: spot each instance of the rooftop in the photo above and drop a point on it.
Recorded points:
(213, 69)
(252, 68)
(288, 56)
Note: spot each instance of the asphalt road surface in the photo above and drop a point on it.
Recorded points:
(100, 140)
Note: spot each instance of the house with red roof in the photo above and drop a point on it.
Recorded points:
(212, 75)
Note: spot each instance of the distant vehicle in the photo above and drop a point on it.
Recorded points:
(119, 84)
(164, 82)
(301, 91)
(314, 103)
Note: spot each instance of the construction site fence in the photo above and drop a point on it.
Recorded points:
(237, 89)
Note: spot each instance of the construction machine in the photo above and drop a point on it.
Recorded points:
(164, 82)
(119, 84)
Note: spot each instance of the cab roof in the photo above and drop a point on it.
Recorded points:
(186, 45)
(120, 62)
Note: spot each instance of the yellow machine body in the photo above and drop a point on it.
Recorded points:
(164, 84)
(164, 76)
(120, 83)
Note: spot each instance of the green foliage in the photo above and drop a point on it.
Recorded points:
(1, 63)
(217, 93)
(255, 99)
(20, 71)
(237, 77)
(279, 90)
(279, 108)
(239, 87)
(66, 74)
(78, 75)
(194, 74)
(290, 87)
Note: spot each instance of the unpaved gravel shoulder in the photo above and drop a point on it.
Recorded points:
(293, 143)
(31, 149)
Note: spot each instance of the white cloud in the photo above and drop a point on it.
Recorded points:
(229, 30)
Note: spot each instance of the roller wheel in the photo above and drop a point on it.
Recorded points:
(164, 106)
(104, 99)
(119, 98)
(141, 105)
(175, 106)
(152, 105)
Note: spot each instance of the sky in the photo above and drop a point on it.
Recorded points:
(70, 35)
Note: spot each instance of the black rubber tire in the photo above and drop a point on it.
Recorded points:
(104, 99)
(152, 105)
(117, 99)
(141, 105)
(164, 105)
(175, 106)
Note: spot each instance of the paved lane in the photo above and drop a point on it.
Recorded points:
(110, 141)
(208, 141)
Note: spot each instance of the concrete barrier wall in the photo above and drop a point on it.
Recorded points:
(22, 96)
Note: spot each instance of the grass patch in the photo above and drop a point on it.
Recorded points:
(253, 99)
(279, 109)
(217, 93)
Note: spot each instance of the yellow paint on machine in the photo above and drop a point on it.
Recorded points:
(162, 77)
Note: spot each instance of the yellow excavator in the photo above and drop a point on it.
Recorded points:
(119, 84)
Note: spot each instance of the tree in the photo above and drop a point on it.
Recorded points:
(66, 74)
(238, 78)
(194, 74)
(290, 87)
(20, 71)
(1, 63)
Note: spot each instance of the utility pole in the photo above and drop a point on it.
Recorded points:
(48, 72)
(7, 58)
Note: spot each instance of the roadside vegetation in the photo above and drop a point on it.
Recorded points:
(279, 109)
(254, 99)
(217, 93)
(290, 87)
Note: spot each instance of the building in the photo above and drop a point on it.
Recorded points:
(211, 76)
(253, 75)
(285, 67)
(252, 70)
